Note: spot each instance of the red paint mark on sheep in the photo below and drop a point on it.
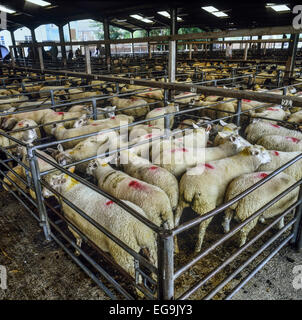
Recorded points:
(112, 118)
(108, 203)
(295, 140)
(262, 175)
(60, 113)
(276, 153)
(153, 168)
(246, 100)
(179, 150)
(209, 166)
(136, 185)
(148, 135)
(95, 124)
(272, 109)
(150, 125)
(274, 125)
(158, 109)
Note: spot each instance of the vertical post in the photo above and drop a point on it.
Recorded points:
(12, 56)
(238, 110)
(245, 51)
(70, 37)
(34, 168)
(297, 239)
(34, 41)
(87, 60)
(190, 51)
(165, 250)
(132, 44)
(172, 49)
(63, 47)
(107, 44)
(94, 110)
(41, 59)
(292, 50)
(14, 43)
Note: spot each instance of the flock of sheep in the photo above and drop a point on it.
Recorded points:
(196, 165)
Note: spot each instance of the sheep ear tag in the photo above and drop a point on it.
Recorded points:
(71, 169)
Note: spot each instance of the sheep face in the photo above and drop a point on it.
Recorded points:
(92, 166)
(260, 153)
(83, 121)
(56, 182)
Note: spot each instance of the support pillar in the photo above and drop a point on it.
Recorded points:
(63, 47)
(291, 61)
(107, 45)
(14, 43)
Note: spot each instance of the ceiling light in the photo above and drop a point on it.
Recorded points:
(167, 15)
(2, 8)
(219, 14)
(138, 17)
(210, 9)
(39, 2)
(280, 8)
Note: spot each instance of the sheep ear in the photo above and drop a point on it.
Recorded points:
(60, 148)
(195, 126)
(222, 123)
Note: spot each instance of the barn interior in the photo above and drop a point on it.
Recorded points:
(205, 107)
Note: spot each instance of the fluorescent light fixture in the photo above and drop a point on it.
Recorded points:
(138, 17)
(39, 2)
(210, 9)
(219, 14)
(167, 15)
(3, 8)
(280, 8)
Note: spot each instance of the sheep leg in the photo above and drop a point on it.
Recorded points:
(227, 219)
(246, 230)
(78, 241)
(202, 230)
(177, 217)
(262, 220)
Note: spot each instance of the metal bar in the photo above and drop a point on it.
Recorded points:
(260, 266)
(235, 255)
(165, 266)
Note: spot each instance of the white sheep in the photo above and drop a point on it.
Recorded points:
(112, 121)
(144, 170)
(279, 158)
(248, 205)
(137, 107)
(295, 117)
(259, 129)
(151, 199)
(179, 158)
(281, 143)
(109, 215)
(203, 187)
(160, 112)
(275, 112)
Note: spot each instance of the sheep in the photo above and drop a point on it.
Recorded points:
(279, 158)
(280, 143)
(6, 104)
(160, 112)
(296, 117)
(112, 121)
(186, 98)
(151, 199)
(276, 113)
(62, 133)
(53, 116)
(8, 122)
(144, 170)
(87, 148)
(226, 129)
(260, 128)
(248, 205)
(109, 215)
(203, 187)
(178, 159)
(137, 107)
(109, 111)
(142, 130)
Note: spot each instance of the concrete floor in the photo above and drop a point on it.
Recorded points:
(40, 270)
